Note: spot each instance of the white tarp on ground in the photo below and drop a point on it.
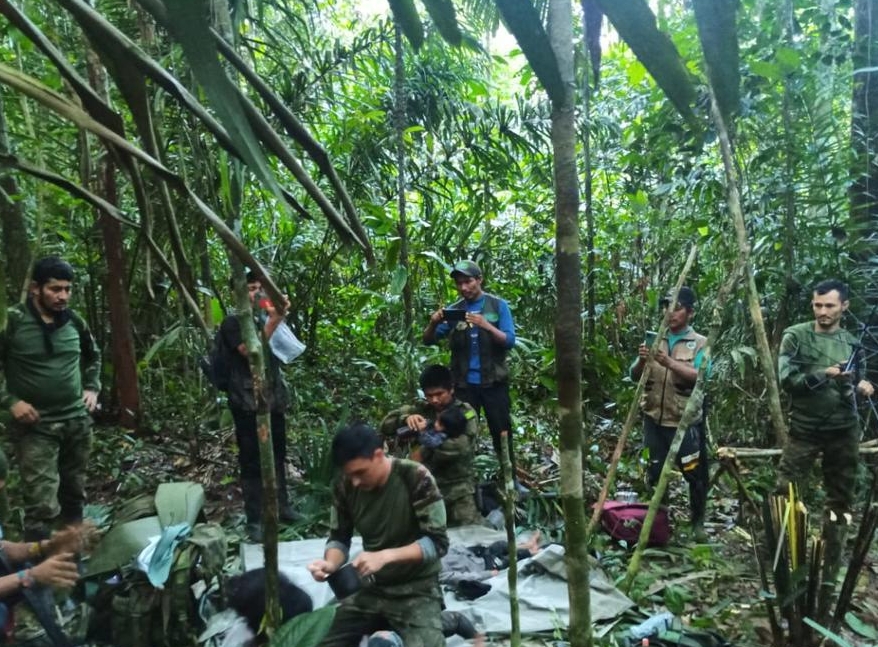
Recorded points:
(542, 587)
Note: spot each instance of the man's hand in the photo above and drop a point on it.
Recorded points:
(643, 351)
(80, 538)
(58, 571)
(416, 422)
(368, 563)
(90, 398)
(273, 312)
(437, 317)
(837, 372)
(865, 388)
(478, 319)
(24, 413)
(320, 569)
(663, 358)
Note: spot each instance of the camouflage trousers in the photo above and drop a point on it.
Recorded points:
(460, 507)
(413, 610)
(840, 457)
(52, 459)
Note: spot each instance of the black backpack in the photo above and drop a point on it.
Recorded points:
(217, 365)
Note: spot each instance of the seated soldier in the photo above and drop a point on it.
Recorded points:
(449, 459)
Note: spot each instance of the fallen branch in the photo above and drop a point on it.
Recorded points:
(756, 452)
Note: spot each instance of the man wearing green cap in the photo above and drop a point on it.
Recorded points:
(670, 377)
(479, 343)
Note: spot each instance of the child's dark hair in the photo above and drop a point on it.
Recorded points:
(246, 595)
(453, 421)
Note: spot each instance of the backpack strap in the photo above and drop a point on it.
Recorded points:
(86, 340)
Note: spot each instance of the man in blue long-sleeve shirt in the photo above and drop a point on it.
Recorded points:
(479, 342)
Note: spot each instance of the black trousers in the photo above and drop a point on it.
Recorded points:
(248, 442)
(691, 459)
(494, 400)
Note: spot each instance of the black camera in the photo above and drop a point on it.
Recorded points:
(404, 433)
(429, 437)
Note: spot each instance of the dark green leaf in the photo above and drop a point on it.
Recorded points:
(305, 630)
(406, 16)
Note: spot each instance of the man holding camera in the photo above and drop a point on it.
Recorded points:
(670, 376)
(450, 459)
(242, 404)
(821, 366)
(479, 337)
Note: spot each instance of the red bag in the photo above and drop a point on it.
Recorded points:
(623, 521)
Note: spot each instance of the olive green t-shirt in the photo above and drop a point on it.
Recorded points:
(46, 368)
(406, 509)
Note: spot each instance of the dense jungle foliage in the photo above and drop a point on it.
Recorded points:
(378, 161)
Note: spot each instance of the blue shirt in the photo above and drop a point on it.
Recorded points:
(504, 323)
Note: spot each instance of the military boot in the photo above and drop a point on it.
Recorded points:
(834, 534)
(455, 623)
(697, 508)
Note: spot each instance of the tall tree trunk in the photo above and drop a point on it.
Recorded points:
(589, 210)
(864, 124)
(16, 249)
(125, 381)
(399, 113)
(790, 292)
(568, 327)
(126, 392)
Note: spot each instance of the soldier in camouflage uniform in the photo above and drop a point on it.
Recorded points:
(815, 369)
(51, 379)
(451, 462)
(397, 508)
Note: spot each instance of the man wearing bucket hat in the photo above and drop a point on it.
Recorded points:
(670, 377)
(479, 343)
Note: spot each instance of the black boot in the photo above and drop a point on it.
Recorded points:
(697, 507)
(252, 491)
(455, 623)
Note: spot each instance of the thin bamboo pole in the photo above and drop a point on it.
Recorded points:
(509, 513)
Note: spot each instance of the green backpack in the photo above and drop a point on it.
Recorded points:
(128, 611)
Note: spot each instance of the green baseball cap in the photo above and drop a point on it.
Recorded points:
(467, 268)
